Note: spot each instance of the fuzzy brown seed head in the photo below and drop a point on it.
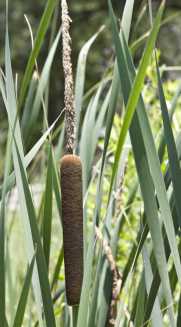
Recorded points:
(72, 222)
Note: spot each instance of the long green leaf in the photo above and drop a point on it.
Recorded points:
(171, 147)
(57, 268)
(162, 144)
(126, 25)
(156, 316)
(80, 79)
(40, 258)
(2, 233)
(158, 180)
(47, 216)
(142, 170)
(18, 320)
(44, 24)
(154, 166)
(29, 157)
(137, 85)
(87, 280)
(40, 278)
(86, 144)
(140, 303)
(41, 89)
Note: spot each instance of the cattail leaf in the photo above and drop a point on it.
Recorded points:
(156, 284)
(34, 150)
(155, 230)
(167, 176)
(145, 181)
(86, 285)
(127, 18)
(20, 312)
(156, 315)
(95, 292)
(40, 258)
(3, 89)
(41, 89)
(135, 252)
(100, 120)
(104, 294)
(175, 171)
(44, 24)
(138, 82)
(179, 313)
(47, 214)
(86, 143)
(83, 313)
(2, 260)
(59, 148)
(2, 232)
(154, 165)
(29, 157)
(139, 42)
(162, 145)
(29, 103)
(13, 121)
(139, 316)
(126, 25)
(152, 295)
(80, 80)
(56, 186)
(57, 268)
(40, 278)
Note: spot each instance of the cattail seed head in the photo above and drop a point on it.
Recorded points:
(72, 221)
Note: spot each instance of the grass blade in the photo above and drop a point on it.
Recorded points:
(44, 24)
(138, 82)
(57, 268)
(47, 216)
(156, 313)
(41, 89)
(40, 278)
(126, 24)
(18, 321)
(40, 259)
(2, 234)
(29, 157)
(154, 167)
(162, 144)
(80, 80)
(141, 152)
(175, 171)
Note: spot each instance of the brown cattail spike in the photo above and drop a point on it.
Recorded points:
(72, 220)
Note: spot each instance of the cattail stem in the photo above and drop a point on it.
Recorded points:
(72, 222)
(75, 311)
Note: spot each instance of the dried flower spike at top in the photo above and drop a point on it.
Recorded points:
(69, 87)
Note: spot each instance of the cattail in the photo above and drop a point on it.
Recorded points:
(71, 180)
(72, 221)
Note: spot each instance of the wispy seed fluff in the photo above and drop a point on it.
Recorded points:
(69, 85)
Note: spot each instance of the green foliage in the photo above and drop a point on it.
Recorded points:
(129, 143)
